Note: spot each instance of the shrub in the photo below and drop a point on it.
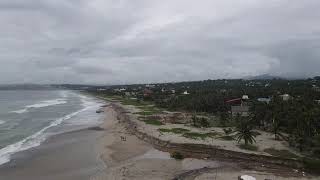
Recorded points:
(312, 164)
(204, 122)
(227, 131)
(176, 155)
(153, 122)
(316, 152)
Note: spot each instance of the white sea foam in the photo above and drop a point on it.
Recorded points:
(20, 111)
(2, 122)
(48, 103)
(33, 140)
(41, 104)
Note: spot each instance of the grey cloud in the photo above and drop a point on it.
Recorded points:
(110, 41)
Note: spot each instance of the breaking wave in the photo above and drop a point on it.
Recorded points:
(42, 104)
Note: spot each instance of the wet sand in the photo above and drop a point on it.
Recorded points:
(67, 156)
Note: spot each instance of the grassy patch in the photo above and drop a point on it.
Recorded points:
(227, 138)
(195, 135)
(153, 122)
(134, 102)
(174, 130)
(281, 153)
(248, 147)
(146, 113)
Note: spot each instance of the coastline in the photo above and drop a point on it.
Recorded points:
(137, 158)
(115, 150)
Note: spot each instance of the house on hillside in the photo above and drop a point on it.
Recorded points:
(264, 100)
(245, 97)
(285, 97)
(185, 93)
(239, 106)
(240, 110)
(316, 88)
(147, 92)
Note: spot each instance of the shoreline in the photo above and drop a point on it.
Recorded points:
(69, 155)
(114, 150)
(119, 160)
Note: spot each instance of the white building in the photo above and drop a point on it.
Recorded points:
(185, 93)
(285, 97)
(245, 97)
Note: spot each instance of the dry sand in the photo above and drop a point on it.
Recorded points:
(133, 158)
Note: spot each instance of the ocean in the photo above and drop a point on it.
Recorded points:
(28, 118)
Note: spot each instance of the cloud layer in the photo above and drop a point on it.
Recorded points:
(123, 41)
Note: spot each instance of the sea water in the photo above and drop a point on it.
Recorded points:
(27, 118)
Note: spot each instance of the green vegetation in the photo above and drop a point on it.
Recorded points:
(195, 135)
(176, 155)
(226, 138)
(248, 147)
(200, 121)
(153, 122)
(227, 131)
(312, 164)
(174, 130)
(245, 132)
(281, 153)
(146, 113)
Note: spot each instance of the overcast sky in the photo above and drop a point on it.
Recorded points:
(137, 41)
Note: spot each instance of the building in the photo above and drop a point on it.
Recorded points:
(240, 110)
(127, 93)
(264, 100)
(245, 97)
(185, 93)
(285, 97)
(147, 92)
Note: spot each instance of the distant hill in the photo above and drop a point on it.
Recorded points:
(25, 87)
(263, 77)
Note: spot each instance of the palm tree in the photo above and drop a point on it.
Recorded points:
(244, 131)
(276, 127)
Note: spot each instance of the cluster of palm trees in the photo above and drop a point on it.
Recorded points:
(296, 121)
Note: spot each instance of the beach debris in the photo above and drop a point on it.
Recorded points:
(123, 138)
(96, 128)
(99, 111)
(246, 177)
